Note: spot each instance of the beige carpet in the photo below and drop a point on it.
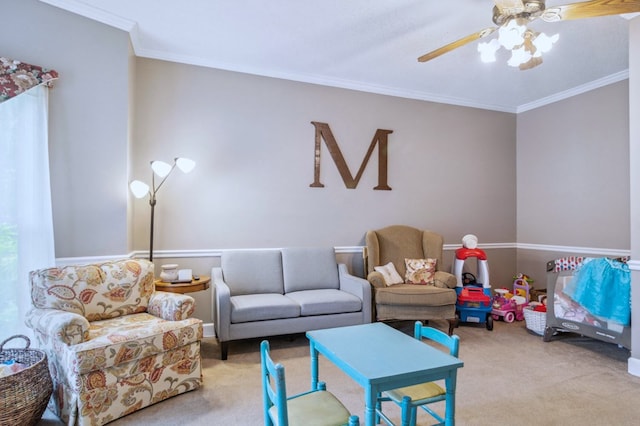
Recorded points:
(510, 377)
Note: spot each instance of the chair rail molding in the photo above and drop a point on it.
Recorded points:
(214, 253)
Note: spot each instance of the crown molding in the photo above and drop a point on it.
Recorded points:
(596, 84)
(316, 79)
(94, 13)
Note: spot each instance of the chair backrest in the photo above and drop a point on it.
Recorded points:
(425, 332)
(97, 291)
(399, 242)
(274, 390)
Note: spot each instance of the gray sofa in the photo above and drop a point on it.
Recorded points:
(258, 293)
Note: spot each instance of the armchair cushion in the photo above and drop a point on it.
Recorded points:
(389, 273)
(420, 271)
(82, 289)
(415, 295)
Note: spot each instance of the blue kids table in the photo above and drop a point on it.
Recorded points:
(379, 357)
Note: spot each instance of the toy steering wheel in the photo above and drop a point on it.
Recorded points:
(469, 279)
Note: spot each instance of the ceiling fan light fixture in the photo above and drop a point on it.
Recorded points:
(488, 50)
(511, 34)
(544, 43)
(519, 56)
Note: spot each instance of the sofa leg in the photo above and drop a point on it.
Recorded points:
(453, 323)
(224, 349)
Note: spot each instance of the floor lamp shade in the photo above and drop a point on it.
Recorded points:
(140, 189)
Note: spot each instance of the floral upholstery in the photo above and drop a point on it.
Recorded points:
(114, 344)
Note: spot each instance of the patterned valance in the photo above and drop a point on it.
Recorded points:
(17, 77)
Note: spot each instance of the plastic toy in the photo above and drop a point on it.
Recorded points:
(474, 297)
(510, 306)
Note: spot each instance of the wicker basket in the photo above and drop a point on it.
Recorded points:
(535, 321)
(24, 395)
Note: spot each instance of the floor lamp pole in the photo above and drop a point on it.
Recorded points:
(152, 203)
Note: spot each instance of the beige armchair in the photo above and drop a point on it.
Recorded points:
(114, 344)
(405, 301)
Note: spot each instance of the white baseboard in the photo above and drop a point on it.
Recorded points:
(208, 330)
(633, 366)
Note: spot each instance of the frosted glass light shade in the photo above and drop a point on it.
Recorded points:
(511, 35)
(139, 188)
(519, 56)
(185, 164)
(544, 43)
(160, 168)
(488, 50)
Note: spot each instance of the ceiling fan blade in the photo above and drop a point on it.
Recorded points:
(590, 9)
(458, 43)
(509, 7)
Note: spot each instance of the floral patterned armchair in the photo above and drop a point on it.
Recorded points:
(114, 344)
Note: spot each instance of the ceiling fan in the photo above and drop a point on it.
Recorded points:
(527, 46)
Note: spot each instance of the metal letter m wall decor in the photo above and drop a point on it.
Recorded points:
(323, 132)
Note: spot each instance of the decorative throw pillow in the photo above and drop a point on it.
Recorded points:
(420, 271)
(389, 273)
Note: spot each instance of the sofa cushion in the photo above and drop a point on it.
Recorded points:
(325, 301)
(418, 295)
(252, 271)
(309, 268)
(260, 307)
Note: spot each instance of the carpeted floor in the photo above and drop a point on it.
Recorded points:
(510, 377)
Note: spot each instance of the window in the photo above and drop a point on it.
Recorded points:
(26, 226)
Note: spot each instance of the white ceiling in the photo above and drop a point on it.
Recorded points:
(369, 45)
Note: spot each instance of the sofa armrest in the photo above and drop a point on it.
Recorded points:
(358, 287)
(445, 280)
(66, 327)
(376, 279)
(221, 304)
(171, 306)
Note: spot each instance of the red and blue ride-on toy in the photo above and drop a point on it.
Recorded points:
(474, 302)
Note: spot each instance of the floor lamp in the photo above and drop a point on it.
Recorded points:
(163, 170)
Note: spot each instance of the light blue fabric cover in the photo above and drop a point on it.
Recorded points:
(252, 271)
(325, 301)
(309, 268)
(260, 307)
(603, 287)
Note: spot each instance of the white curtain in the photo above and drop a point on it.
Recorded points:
(26, 225)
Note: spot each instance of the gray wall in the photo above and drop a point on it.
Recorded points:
(573, 179)
(88, 121)
(452, 169)
(573, 171)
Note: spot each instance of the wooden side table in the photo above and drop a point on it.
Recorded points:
(194, 285)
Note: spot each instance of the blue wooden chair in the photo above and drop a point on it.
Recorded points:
(411, 397)
(317, 407)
